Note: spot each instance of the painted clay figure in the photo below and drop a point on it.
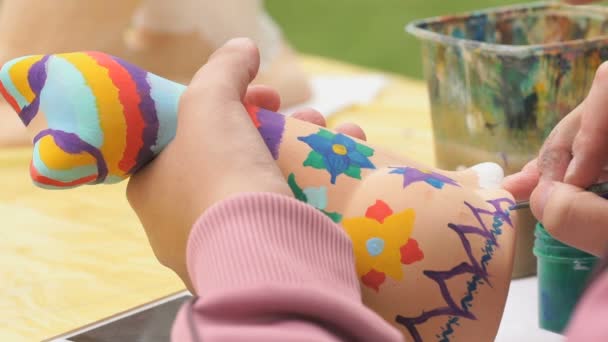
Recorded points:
(170, 38)
(434, 249)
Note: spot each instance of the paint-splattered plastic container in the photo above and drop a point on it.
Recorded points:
(563, 273)
(499, 81)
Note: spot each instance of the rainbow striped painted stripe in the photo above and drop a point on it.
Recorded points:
(104, 118)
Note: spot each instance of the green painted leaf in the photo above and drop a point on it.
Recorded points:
(325, 134)
(353, 171)
(366, 151)
(315, 159)
(337, 218)
(297, 191)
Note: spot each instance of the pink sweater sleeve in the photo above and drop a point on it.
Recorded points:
(269, 268)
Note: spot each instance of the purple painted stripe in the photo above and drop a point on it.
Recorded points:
(271, 128)
(36, 78)
(497, 204)
(71, 143)
(147, 108)
(478, 271)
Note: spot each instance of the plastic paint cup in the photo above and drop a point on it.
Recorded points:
(499, 81)
(563, 273)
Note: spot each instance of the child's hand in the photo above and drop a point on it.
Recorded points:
(573, 157)
(217, 152)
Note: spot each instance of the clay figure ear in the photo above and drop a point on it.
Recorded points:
(62, 160)
(21, 81)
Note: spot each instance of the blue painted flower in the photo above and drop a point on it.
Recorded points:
(338, 154)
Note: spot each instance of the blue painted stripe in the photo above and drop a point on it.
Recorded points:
(69, 103)
(166, 97)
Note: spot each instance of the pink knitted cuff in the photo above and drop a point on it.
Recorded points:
(262, 238)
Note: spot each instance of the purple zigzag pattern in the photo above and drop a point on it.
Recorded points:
(474, 283)
(473, 267)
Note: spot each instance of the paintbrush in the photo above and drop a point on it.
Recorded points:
(601, 189)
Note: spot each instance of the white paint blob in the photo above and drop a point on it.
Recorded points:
(490, 175)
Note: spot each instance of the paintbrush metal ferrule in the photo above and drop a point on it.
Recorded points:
(520, 205)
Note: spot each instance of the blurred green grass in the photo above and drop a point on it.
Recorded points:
(365, 32)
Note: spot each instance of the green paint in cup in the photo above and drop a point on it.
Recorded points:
(563, 273)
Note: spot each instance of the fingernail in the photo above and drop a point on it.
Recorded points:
(234, 43)
(241, 42)
(545, 188)
(510, 178)
(571, 170)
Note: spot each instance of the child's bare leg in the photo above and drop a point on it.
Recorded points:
(35, 27)
(165, 39)
(237, 18)
(174, 39)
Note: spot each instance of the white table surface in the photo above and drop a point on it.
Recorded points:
(520, 319)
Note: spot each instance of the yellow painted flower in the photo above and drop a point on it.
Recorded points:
(382, 244)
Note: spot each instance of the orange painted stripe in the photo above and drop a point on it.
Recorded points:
(253, 114)
(10, 99)
(130, 99)
(52, 182)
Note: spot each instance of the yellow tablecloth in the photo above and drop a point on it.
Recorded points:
(69, 258)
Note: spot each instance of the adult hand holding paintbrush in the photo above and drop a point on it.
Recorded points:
(573, 158)
(560, 185)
